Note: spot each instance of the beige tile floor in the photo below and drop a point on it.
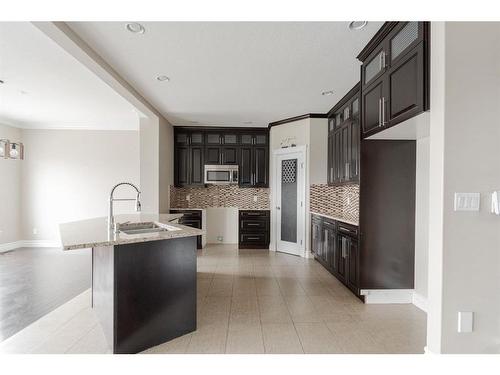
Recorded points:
(250, 301)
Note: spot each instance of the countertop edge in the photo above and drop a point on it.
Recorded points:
(128, 241)
(335, 218)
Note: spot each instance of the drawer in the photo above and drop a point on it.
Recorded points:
(254, 214)
(190, 223)
(253, 225)
(348, 229)
(253, 238)
(329, 223)
(188, 214)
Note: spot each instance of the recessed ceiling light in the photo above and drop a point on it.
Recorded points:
(162, 78)
(327, 93)
(135, 28)
(1, 82)
(357, 25)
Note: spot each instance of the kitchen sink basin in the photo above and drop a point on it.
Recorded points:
(144, 228)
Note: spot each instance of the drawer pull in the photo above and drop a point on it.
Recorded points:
(253, 225)
(253, 238)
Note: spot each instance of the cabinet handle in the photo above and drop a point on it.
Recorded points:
(253, 238)
(379, 112)
(253, 225)
(382, 60)
(347, 174)
(383, 111)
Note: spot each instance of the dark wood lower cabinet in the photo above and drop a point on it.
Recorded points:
(335, 246)
(254, 229)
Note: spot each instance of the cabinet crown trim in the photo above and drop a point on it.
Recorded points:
(297, 118)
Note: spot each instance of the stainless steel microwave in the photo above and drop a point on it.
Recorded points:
(221, 174)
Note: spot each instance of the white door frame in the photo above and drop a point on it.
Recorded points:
(301, 194)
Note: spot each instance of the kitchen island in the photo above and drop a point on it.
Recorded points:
(143, 280)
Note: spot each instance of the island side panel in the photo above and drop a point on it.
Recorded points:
(103, 289)
(155, 292)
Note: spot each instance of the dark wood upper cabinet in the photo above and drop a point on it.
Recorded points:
(344, 139)
(394, 75)
(245, 147)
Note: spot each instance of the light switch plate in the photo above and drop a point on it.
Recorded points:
(467, 201)
(465, 321)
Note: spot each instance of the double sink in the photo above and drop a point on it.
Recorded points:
(144, 228)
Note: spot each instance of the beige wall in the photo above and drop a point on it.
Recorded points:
(464, 256)
(166, 163)
(68, 174)
(10, 187)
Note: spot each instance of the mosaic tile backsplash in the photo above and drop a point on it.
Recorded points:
(338, 201)
(220, 196)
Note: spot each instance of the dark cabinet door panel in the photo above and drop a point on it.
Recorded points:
(260, 161)
(182, 165)
(341, 258)
(406, 87)
(353, 269)
(196, 164)
(229, 155)
(371, 108)
(245, 170)
(213, 155)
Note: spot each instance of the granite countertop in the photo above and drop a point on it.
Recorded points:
(337, 218)
(94, 232)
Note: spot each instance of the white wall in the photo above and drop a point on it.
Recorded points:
(464, 254)
(422, 219)
(68, 174)
(10, 191)
(222, 221)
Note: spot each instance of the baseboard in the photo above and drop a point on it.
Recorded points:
(387, 295)
(4, 247)
(420, 301)
(28, 243)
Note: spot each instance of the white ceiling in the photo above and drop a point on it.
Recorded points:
(229, 73)
(45, 87)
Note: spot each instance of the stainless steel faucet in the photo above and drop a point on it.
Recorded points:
(111, 218)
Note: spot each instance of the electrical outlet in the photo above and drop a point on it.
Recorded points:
(220, 238)
(255, 198)
(188, 197)
(35, 230)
